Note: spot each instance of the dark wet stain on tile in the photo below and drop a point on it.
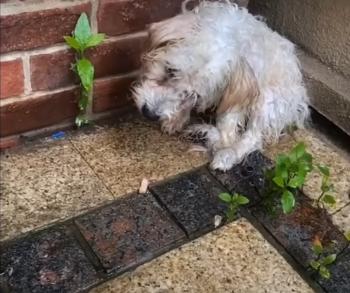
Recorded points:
(193, 200)
(129, 232)
(49, 261)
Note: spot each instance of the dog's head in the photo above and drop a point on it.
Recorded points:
(163, 92)
(160, 96)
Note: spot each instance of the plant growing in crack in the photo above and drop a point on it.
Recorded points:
(322, 262)
(80, 41)
(233, 203)
(347, 235)
(325, 198)
(288, 176)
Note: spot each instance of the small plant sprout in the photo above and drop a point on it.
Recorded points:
(289, 175)
(326, 198)
(321, 263)
(347, 235)
(80, 41)
(233, 203)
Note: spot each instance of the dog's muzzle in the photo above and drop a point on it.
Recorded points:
(149, 114)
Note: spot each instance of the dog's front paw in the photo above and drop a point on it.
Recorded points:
(224, 159)
(203, 134)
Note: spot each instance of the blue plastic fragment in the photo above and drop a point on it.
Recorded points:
(58, 135)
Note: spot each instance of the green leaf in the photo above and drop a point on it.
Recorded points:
(86, 73)
(82, 32)
(329, 199)
(278, 181)
(324, 170)
(225, 197)
(307, 158)
(347, 235)
(315, 264)
(72, 42)
(282, 163)
(288, 202)
(242, 200)
(297, 152)
(296, 181)
(317, 247)
(304, 167)
(329, 259)
(324, 272)
(95, 40)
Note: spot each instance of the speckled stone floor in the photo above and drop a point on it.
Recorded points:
(234, 258)
(51, 180)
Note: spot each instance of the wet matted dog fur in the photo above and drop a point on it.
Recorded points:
(218, 56)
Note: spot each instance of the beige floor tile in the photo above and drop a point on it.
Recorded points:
(43, 183)
(131, 150)
(235, 258)
(342, 219)
(324, 152)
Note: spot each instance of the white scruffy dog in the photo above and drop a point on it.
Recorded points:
(218, 56)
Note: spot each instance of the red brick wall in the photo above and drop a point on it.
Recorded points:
(37, 87)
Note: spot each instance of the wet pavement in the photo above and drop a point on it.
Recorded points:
(73, 195)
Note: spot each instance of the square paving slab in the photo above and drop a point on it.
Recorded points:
(45, 182)
(129, 232)
(50, 261)
(133, 149)
(193, 200)
(234, 258)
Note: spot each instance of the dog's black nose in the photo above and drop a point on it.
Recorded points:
(149, 114)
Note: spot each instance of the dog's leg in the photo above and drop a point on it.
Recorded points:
(225, 158)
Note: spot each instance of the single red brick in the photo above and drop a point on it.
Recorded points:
(112, 93)
(118, 17)
(39, 28)
(51, 71)
(37, 112)
(116, 57)
(8, 142)
(11, 78)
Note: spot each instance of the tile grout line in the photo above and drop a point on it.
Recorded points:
(169, 213)
(97, 176)
(340, 209)
(87, 249)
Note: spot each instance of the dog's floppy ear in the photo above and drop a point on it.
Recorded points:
(242, 89)
(171, 30)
